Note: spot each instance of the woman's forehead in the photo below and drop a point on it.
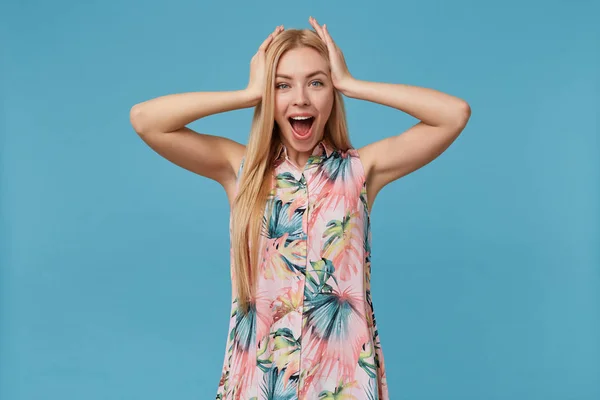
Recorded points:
(300, 62)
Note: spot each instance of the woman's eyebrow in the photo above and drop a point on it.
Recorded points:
(307, 76)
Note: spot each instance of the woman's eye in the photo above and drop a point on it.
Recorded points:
(285, 85)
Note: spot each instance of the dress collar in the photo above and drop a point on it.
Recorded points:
(322, 147)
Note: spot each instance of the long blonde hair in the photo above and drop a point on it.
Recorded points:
(256, 179)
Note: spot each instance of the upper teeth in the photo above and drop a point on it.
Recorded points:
(298, 118)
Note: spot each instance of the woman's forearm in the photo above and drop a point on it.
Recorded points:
(171, 112)
(428, 105)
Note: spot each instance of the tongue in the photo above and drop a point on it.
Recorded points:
(302, 126)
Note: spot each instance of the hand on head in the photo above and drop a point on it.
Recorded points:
(340, 75)
(258, 73)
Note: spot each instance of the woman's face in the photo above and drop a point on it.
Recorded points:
(303, 97)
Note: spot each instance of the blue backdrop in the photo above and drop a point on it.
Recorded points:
(114, 262)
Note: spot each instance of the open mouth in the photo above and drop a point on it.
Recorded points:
(302, 127)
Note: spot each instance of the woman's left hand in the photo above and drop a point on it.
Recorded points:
(340, 76)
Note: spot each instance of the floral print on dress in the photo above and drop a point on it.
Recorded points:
(310, 332)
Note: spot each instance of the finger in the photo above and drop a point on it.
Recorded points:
(318, 29)
(269, 39)
(329, 40)
(264, 44)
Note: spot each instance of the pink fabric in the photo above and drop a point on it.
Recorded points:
(311, 330)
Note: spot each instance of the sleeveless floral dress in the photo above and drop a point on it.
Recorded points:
(311, 332)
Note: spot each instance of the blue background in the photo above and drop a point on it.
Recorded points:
(114, 276)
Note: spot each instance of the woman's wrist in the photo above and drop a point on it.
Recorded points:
(347, 87)
(252, 97)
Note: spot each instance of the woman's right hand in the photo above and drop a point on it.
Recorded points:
(258, 72)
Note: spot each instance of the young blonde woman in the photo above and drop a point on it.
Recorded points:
(302, 323)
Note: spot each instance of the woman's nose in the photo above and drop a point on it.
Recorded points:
(301, 98)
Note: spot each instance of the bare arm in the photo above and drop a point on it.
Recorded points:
(442, 118)
(173, 112)
(161, 123)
